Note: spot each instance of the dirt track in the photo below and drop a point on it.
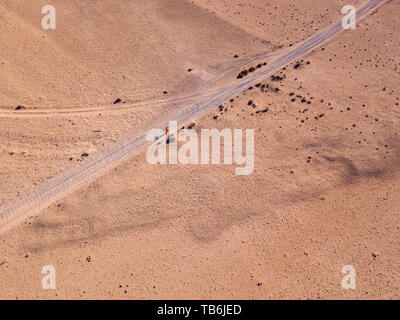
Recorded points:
(73, 179)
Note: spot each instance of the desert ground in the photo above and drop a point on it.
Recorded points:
(325, 188)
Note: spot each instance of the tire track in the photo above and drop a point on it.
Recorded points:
(225, 71)
(75, 178)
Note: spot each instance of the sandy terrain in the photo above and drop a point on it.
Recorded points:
(324, 192)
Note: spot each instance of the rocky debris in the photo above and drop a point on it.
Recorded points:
(262, 111)
(244, 73)
(297, 65)
(276, 78)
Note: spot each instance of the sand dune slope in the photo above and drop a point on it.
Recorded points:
(103, 50)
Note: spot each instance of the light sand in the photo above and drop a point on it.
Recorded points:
(177, 231)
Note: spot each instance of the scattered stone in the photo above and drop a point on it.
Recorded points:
(242, 74)
(297, 65)
(276, 78)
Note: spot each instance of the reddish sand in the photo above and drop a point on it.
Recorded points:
(325, 188)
